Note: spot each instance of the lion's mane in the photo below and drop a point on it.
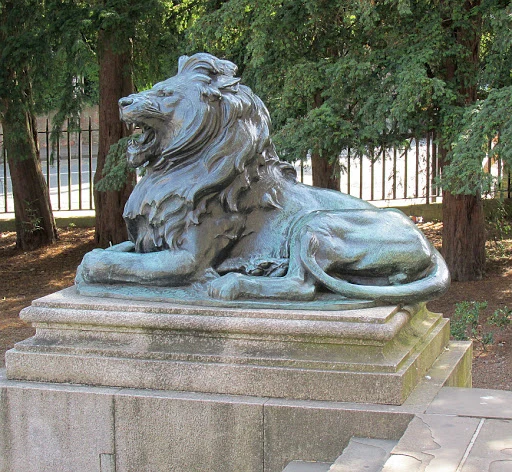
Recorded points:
(219, 156)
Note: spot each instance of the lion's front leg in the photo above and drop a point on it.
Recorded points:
(235, 286)
(125, 246)
(121, 265)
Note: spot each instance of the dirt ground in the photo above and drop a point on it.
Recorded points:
(29, 275)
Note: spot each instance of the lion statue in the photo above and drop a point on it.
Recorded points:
(216, 206)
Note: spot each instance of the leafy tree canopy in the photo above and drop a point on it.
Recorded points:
(151, 30)
(338, 74)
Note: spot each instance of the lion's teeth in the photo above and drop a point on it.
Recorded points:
(148, 136)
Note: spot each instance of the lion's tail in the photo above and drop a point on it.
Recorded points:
(428, 288)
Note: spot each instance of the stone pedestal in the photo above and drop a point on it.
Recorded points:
(167, 387)
(372, 355)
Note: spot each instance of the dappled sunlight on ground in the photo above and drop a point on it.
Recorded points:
(26, 276)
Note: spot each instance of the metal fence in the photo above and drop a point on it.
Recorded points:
(389, 176)
(404, 175)
(68, 167)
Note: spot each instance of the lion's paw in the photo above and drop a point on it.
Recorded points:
(227, 287)
(83, 271)
(93, 267)
(81, 275)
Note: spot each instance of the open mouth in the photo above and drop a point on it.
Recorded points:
(143, 148)
(144, 141)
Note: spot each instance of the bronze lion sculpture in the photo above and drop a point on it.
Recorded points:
(217, 206)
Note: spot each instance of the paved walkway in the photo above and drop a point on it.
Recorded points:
(462, 430)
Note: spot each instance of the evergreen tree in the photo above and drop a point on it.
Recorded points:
(283, 48)
(134, 42)
(24, 59)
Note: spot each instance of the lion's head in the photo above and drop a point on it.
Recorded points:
(180, 116)
(202, 134)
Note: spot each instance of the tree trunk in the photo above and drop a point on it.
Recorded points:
(463, 215)
(35, 225)
(325, 174)
(115, 82)
(463, 232)
(464, 236)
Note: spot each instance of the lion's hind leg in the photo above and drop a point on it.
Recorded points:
(235, 286)
(373, 255)
(296, 285)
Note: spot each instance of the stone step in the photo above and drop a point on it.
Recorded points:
(464, 430)
(303, 466)
(450, 443)
(364, 455)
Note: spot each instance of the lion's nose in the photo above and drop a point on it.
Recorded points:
(124, 102)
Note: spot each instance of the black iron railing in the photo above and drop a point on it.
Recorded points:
(404, 175)
(68, 167)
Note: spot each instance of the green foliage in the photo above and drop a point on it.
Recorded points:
(22, 45)
(481, 123)
(344, 74)
(74, 78)
(466, 323)
(41, 53)
(501, 318)
(496, 46)
(33, 222)
(498, 224)
(159, 39)
(152, 31)
(223, 28)
(149, 31)
(334, 74)
(116, 171)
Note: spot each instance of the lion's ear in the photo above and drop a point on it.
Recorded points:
(181, 62)
(222, 84)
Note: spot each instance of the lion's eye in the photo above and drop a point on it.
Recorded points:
(164, 92)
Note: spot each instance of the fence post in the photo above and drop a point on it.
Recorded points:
(59, 206)
(69, 165)
(417, 178)
(361, 175)
(348, 171)
(48, 175)
(427, 183)
(4, 158)
(372, 173)
(91, 199)
(79, 144)
(383, 172)
(434, 168)
(406, 177)
(394, 172)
